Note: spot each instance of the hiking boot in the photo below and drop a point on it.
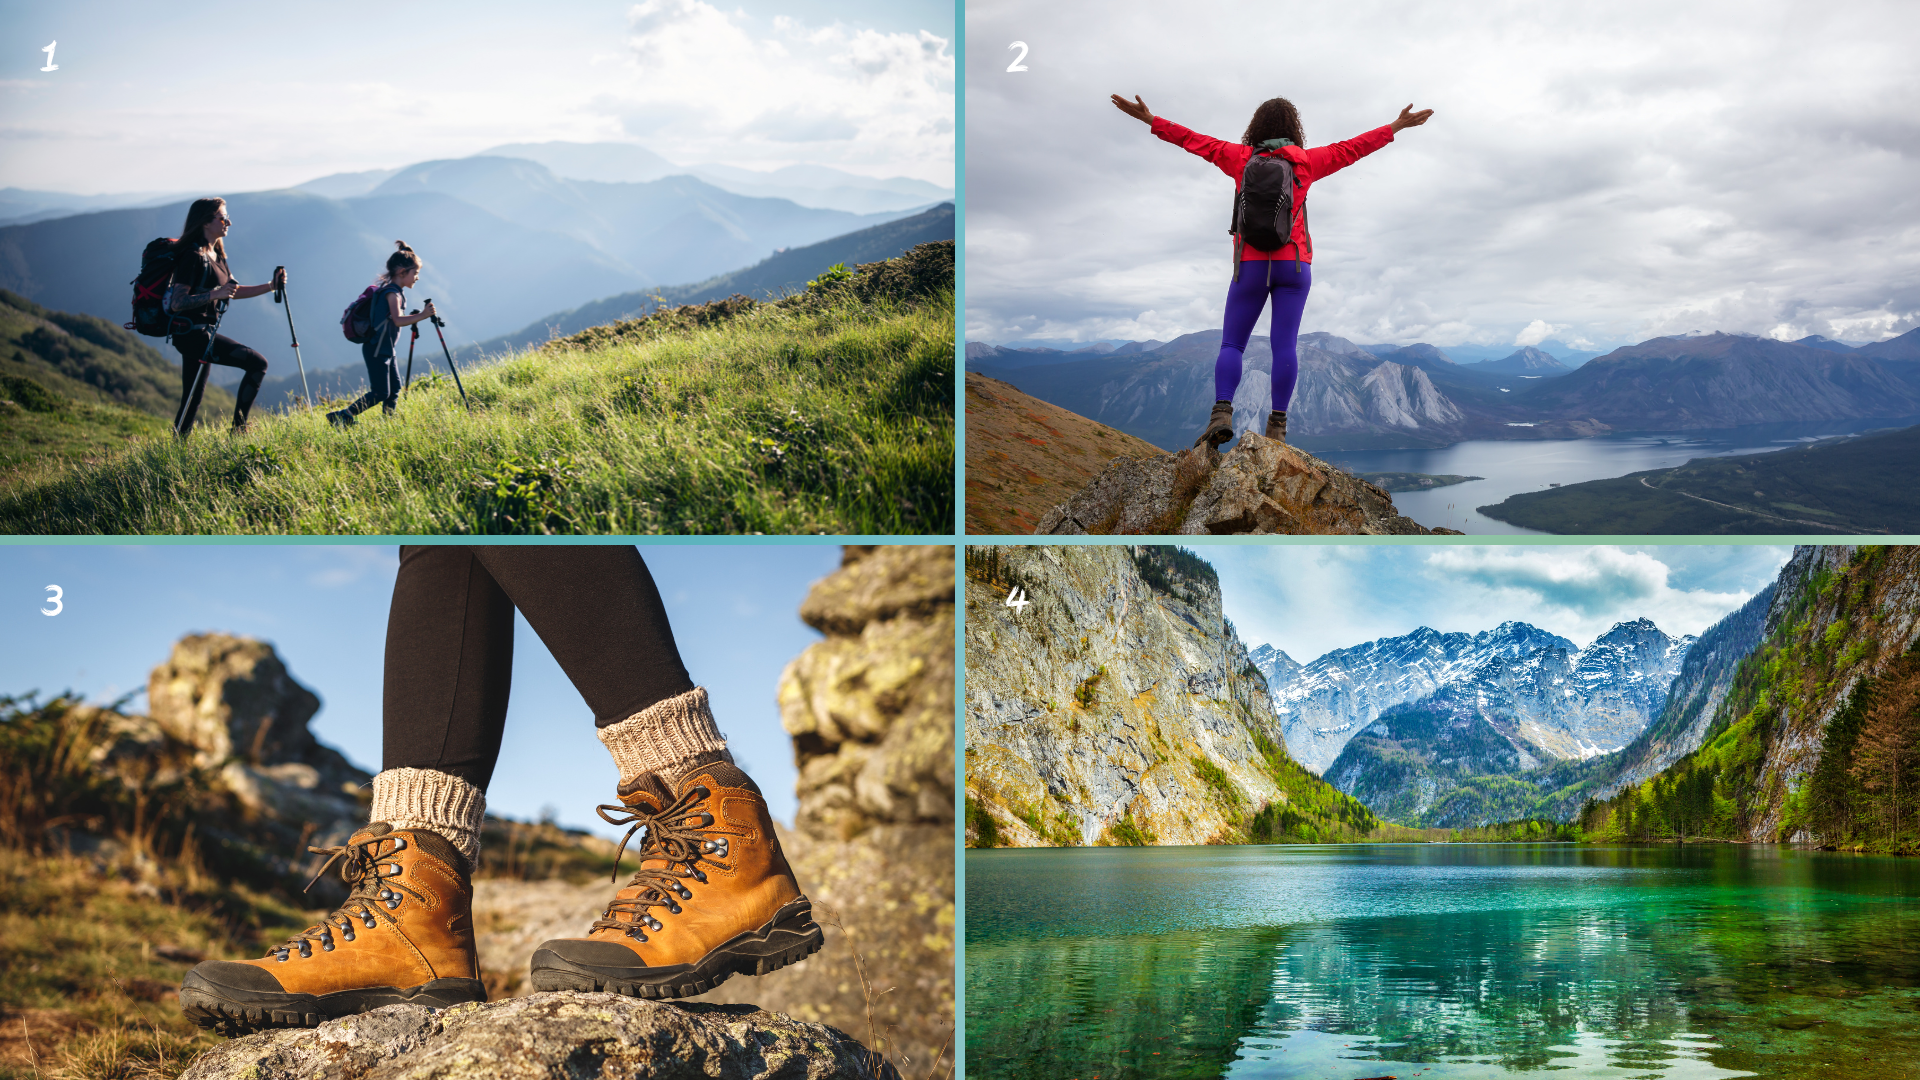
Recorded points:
(342, 419)
(1219, 425)
(714, 896)
(404, 934)
(1277, 425)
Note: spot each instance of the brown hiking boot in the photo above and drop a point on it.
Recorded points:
(1277, 425)
(714, 896)
(404, 934)
(1219, 425)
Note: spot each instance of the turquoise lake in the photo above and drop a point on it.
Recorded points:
(1442, 961)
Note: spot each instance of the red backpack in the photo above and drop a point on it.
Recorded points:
(357, 321)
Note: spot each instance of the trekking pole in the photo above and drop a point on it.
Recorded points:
(280, 297)
(416, 337)
(437, 324)
(199, 385)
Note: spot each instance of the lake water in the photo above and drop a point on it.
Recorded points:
(1512, 467)
(1441, 961)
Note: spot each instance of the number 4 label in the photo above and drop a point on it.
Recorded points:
(1017, 600)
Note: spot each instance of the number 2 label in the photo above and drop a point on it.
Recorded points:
(1015, 66)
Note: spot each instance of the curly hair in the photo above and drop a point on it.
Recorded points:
(1276, 118)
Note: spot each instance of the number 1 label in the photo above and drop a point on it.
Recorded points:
(51, 66)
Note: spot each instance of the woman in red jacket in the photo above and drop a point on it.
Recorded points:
(1276, 129)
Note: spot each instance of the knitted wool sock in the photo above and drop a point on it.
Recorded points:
(436, 801)
(658, 744)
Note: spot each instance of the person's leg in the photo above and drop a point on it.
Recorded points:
(714, 895)
(376, 389)
(229, 353)
(1289, 294)
(405, 931)
(598, 611)
(1246, 296)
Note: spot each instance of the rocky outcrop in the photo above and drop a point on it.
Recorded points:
(548, 1035)
(1117, 707)
(1261, 487)
(1025, 456)
(233, 701)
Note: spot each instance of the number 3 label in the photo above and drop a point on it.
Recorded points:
(58, 604)
(1017, 65)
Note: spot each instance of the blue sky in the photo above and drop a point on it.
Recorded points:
(257, 96)
(1309, 599)
(734, 610)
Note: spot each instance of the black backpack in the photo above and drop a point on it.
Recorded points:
(1264, 208)
(150, 315)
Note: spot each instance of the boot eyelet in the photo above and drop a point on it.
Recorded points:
(326, 946)
(399, 843)
(347, 931)
(393, 904)
(368, 920)
(306, 950)
(280, 954)
(396, 870)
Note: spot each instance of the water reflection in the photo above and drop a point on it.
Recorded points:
(1441, 961)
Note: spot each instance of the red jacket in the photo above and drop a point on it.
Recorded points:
(1308, 166)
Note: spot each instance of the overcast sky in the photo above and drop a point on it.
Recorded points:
(1596, 173)
(245, 97)
(734, 609)
(1309, 599)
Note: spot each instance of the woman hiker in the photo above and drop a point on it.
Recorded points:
(1281, 273)
(713, 897)
(201, 287)
(383, 373)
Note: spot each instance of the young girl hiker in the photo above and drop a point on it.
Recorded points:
(1281, 274)
(201, 287)
(383, 374)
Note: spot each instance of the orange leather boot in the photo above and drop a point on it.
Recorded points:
(714, 896)
(405, 933)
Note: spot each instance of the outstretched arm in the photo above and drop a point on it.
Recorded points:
(1408, 118)
(1135, 108)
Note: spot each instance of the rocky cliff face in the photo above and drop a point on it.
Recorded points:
(548, 1035)
(1118, 706)
(1260, 487)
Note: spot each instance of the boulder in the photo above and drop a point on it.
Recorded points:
(1261, 487)
(547, 1035)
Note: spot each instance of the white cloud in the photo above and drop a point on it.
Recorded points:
(706, 85)
(1589, 588)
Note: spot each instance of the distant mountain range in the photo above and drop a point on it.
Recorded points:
(1364, 397)
(1399, 722)
(788, 271)
(504, 242)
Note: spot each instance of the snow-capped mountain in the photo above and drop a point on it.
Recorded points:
(1561, 700)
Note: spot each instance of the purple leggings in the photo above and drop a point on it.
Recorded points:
(1260, 278)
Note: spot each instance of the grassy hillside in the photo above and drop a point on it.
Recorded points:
(74, 388)
(1846, 486)
(827, 411)
(1025, 456)
(1819, 736)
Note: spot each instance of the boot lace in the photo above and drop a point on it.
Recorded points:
(673, 835)
(371, 884)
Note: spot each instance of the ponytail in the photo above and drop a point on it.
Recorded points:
(402, 259)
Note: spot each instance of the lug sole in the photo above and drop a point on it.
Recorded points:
(233, 1011)
(788, 938)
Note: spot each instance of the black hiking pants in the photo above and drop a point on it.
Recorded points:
(449, 659)
(198, 345)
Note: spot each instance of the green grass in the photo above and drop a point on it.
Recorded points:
(827, 412)
(1397, 482)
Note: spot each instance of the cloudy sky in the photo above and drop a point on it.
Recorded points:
(1595, 173)
(734, 611)
(1309, 599)
(258, 96)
